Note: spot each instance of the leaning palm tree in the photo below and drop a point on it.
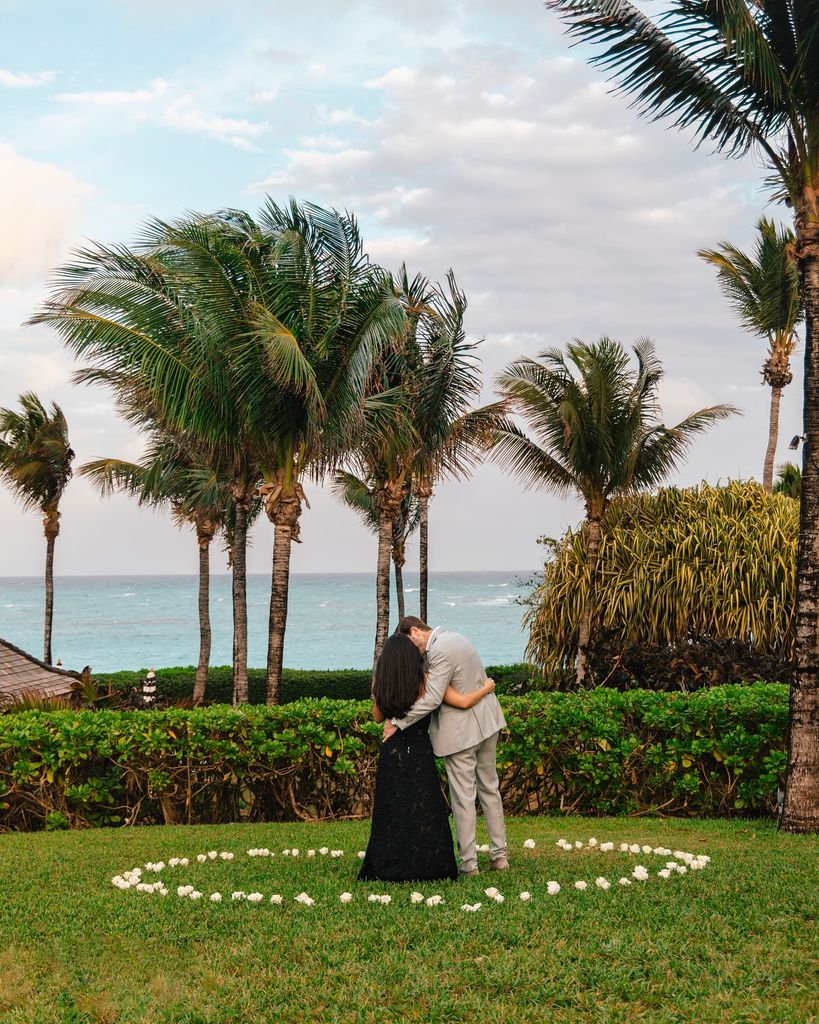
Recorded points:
(742, 75)
(35, 463)
(765, 292)
(170, 474)
(596, 434)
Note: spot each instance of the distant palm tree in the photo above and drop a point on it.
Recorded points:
(35, 463)
(595, 433)
(788, 481)
(742, 75)
(171, 474)
(359, 495)
(765, 292)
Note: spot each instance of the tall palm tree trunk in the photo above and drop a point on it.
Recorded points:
(280, 586)
(592, 552)
(801, 806)
(52, 529)
(423, 554)
(240, 600)
(773, 434)
(382, 582)
(399, 587)
(204, 538)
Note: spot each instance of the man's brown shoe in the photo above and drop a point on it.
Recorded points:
(469, 874)
(501, 864)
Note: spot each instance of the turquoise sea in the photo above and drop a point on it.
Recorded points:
(133, 622)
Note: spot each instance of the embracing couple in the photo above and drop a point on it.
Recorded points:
(432, 694)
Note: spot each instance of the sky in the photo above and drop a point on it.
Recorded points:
(462, 135)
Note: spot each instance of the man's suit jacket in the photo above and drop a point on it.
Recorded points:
(452, 659)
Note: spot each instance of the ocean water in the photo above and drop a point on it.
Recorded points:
(133, 622)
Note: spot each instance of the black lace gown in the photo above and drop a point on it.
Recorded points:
(410, 839)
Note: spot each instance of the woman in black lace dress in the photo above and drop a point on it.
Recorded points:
(410, 839)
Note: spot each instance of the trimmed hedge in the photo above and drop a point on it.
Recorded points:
(719, 751)
(337, 684)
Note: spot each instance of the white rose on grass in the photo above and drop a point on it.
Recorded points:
(623, 847)
(592, 841)
(305, 899)
(681, 869)
(529, 844)
(239, 895)
(163, 891)
(525, 896)
(498, 898)
(216, 897)
(578, 845)
(213, 854)
(484, 848)
(183, 890)
(225, 855)
(294, 853)
(640, 873)
(336, 853)
(664, 873)
(195, 895)
(679, 854)
(285, 853)
(184, 862)
(606, 847)
(173, 862)
(276, 899)
(634, 848)
(416, 897)
(311, 853)
(386, 899)
(324, 850)
(361, 854)
(624, 881)
(491, 893)
(373, 898)
(553, 888)
(434, 901)
(201, 858)
(346, 897)
(471, 907)
(602, 883)
(580, 885)
(254, 897)
(646, 849)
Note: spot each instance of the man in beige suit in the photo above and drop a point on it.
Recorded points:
(467, 740)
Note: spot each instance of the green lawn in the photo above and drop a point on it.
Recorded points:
(735, 943)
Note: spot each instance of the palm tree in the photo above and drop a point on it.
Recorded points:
(788, 481)
(359, 495)
(595, 434)
(171, 474)
(765, 292)
(324, 315)
(35, 463)
(157, 328)
(742, 75)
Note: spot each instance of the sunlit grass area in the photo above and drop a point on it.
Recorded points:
(734, 942)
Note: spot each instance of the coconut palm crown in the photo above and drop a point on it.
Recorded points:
(35, 463)
(765, 292)
(595, 433)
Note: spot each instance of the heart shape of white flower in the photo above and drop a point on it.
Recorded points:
(681, 863)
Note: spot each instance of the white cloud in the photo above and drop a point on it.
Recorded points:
(40, 208)
(117, 97)
(183, 115)
(24, 79)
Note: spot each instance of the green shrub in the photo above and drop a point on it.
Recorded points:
(336, 684)
(717, 751)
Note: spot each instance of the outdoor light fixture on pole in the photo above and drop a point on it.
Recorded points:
(796, 440)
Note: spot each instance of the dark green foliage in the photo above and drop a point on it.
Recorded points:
(718, 751)
(339, 684)
(689, 665)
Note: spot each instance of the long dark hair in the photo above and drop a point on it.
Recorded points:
(399, 677)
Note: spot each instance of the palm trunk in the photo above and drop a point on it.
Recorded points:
(423, 586)
(399, 587)
(773, 434)
(49, 596)
(592, 551)
(801, 803)
(201, 681)
(282, 541)
(240, 602)
(382, 583)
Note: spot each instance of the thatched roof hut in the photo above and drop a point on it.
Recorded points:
(22, 673)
